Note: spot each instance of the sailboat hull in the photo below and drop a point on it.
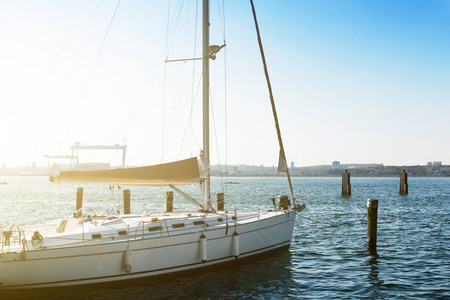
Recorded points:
(147, 257)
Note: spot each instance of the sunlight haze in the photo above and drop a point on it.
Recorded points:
(353, 81)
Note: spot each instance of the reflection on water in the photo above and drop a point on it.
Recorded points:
(268, 277)
(328, 257)
(373, 277)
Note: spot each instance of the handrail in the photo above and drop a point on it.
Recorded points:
(17, 236)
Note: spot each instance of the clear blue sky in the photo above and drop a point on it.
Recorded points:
(354, 81)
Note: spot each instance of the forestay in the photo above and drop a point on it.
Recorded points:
(183, 172)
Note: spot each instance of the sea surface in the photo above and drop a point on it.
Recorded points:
(328, 257)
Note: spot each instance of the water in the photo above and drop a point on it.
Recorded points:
(328, 257)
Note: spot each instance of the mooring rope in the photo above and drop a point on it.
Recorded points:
(314, 220)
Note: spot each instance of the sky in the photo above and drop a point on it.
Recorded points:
(353, 81)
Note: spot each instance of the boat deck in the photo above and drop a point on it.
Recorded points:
(89, 230)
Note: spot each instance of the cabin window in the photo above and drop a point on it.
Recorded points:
(123, 232)
(199, 222)
(155, 228)
(178, 225)
(219, 220)
(233, 217)
(97, 236)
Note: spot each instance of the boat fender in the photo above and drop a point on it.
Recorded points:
(37, 240)
(203, 250)
(235, 240)
(127, 261)
(226, 220)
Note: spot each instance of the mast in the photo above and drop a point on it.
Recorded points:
(205, 60)
(274, 111)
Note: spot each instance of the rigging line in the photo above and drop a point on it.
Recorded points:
(61, 95)
(45, 78)
(193, 75)
(120, 128)
(165, 68)
(164, 87)
(55, 58)
(189, 123)
(181, 53)
(190, 117)
(269, 86)
(222, 22)
(193, 96)
(186, 28)
(215, 133)
(179, 73)
(321, 222)
(167, 27)
(226, 104)
(89, 77)
(270, 180)
(180, 69)
(176, 16)
(145, 84)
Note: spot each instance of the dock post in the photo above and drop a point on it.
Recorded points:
(126, 202)
(169, 201)
(403, 188)
(79, 201)
(220, 202)
(372, 219)
(346, 187)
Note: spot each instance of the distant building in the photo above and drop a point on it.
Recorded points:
(335, 165)
(437, 163)
(292, 164)
(429, 163)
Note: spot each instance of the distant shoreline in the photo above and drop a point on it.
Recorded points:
(262, 175)
(338, 176)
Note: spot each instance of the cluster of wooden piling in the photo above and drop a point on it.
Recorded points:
(347, 188)
(126, 202)
(372, 208)
(372, 205)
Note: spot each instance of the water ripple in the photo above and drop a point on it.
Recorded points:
(328, 257)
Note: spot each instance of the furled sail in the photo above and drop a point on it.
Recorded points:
(282, 165)
(183, 172)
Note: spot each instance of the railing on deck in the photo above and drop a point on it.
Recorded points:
(13, 236)
(16, 236)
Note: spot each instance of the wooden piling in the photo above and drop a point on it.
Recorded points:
(169, 201)
(372, 219)
(346, 187)
(220, 202)
(79, 201)
(403, 188)
(126, 202)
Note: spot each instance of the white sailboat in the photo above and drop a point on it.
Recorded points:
(91, 248)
